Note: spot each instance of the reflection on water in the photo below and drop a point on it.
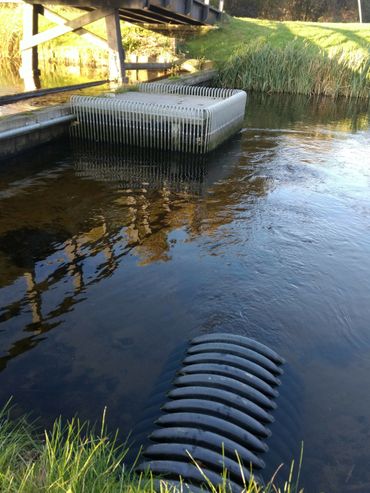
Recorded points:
(52, 75)
(111, 259)
(59, 75)
(55, 74)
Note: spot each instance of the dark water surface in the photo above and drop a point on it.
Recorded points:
(111, 260)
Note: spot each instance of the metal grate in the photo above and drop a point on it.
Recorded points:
(217, 415)
(169, 117)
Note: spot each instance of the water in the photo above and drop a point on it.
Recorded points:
(60, 75)
(52, 75)
(111, 260)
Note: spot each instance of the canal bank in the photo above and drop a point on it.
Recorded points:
(308, 58)
(19, 133)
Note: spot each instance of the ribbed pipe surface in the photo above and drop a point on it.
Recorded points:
(217, 415)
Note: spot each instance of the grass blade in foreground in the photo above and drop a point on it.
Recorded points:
(78, 458)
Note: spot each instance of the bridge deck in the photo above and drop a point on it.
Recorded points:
(179, 12)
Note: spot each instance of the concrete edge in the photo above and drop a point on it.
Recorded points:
(24, 131)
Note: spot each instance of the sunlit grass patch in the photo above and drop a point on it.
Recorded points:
(331, 59)
(71, 457)
(220, 43)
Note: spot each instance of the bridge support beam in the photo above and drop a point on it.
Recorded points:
(87, 35)
(115, 47)
(29, 70)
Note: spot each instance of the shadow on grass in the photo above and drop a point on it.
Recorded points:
(219, 43)
(277, 57)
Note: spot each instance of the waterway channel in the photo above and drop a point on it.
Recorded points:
(110, 260)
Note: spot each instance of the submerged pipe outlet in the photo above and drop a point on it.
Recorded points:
(217, 415)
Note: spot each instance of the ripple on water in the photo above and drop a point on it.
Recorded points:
(111, 259)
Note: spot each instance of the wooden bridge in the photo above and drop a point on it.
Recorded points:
(151, 14)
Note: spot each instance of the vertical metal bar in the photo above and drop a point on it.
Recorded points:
(100, 124)
(111, 116)
(127, 123)
(103, 116)
(115, 124)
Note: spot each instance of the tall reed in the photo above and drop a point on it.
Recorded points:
(10, 33)
(298, 68)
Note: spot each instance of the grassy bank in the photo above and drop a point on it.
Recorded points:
(77, 458)
(289, 57)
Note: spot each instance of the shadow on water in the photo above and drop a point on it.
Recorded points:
(112, 259)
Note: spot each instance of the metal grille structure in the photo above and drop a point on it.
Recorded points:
(169, 117)
(218, 414)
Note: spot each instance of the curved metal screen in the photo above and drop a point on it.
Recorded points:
(171, 117)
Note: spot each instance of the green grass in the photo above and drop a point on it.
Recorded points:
(269, 56)
(220, 43)
(77, 458)
(289, 57)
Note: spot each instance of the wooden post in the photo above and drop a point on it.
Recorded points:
(115, 47)
(188, 6)
(87, 35)
(29, 70)
(205, 10)
(359, 11)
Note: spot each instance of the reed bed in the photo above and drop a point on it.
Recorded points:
(298, 68)
(10, 32)
(78, 458)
